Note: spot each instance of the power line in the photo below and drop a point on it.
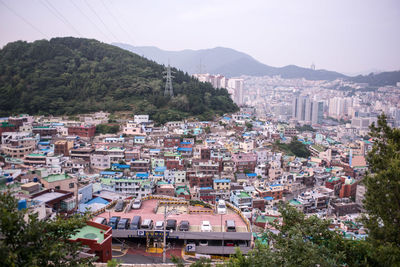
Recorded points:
(117, 21)
(60, 16)
(88, 18)
(105, 26)
(26, 21)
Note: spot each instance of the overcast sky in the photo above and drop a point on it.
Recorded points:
(342, 35)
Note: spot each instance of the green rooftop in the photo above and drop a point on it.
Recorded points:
(36, 155)
(6, 124)
(333, 179)
(243, 194)
(182, 191)
(56, 177)
(318, 148)
(90, 232)
(265, 219)
(295, 202)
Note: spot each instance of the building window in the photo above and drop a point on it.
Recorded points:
(71, 185)
(57, 187)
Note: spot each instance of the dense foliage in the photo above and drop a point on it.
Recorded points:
(75, 75)
(304, 241)
(295, 147)
(34, 242)
(107, 128)
(382, 197)
(305, 128)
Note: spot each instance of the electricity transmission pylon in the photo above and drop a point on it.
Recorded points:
(169, 91)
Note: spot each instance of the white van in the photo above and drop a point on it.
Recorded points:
(221, 207)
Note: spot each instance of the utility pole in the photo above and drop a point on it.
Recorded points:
(164, 236)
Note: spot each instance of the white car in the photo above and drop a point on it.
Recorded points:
(136, 204)
(221, 207)
(159, 225)
(206, 226)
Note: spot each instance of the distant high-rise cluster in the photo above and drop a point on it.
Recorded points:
(339, 106)
(217, 81)
(307, 110)
(233, 85)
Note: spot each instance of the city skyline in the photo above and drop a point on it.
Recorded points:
(352, 38)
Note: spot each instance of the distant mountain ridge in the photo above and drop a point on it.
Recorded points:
(225, 61)
(232, 63)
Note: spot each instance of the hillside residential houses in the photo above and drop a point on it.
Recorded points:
(60, 166)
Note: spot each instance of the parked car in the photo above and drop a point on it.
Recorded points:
(221, 207)
(184, 226)
(147, 224)
(123, 224)
(119, 206)
(159, 225)
(137, 203)
(171, 224)
(230, 226)
(100, 220)
(206, 226)
(136, 222)
(113, 222)
(203, 243)
(229, 243)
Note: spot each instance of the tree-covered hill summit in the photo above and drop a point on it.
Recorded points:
(75, 75)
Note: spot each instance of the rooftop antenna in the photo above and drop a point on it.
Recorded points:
(313, 66)
(169, 91)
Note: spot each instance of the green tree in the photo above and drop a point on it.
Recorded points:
(249, 126)
(298, 148)
(382, 197)
(304, 241)
(27, 241)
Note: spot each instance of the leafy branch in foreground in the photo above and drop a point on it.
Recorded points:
(27, 241)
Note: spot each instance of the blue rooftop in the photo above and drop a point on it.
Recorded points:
(44, 143)
(160, 169)
(154, 150)
(185, 143)
(273, 185)
(205, 188)
(142, 175)
(268, 198)
(251, 174)
(222, 180)
(227, 118)
(121, 166)
(97, 200)
(139, 137)
(185, 149)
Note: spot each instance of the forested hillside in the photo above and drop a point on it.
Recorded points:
(75, 75)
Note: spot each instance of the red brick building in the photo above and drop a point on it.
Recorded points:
(199, 180)
(245, 161)
(205, 154)
(206, 194)
(82, 131)
(7, 127)
(165, 190)
(173, 164)
(172, 141)
(349, 187)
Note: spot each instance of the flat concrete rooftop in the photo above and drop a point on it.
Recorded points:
(48, 196)
(147, 211)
